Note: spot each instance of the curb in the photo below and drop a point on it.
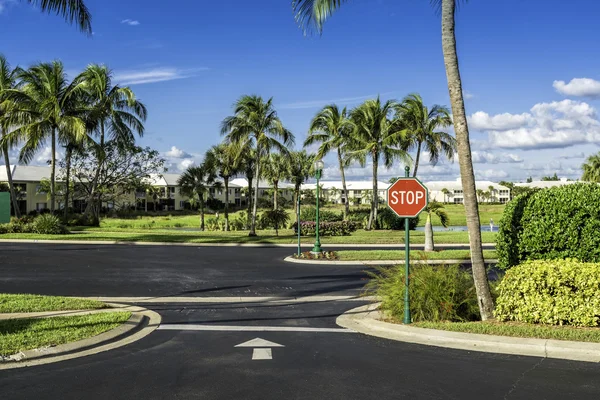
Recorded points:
(291, 259)
(366, 319)
(141, 323)
(267, 245)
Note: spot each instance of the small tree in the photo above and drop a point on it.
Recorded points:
(446, 193)
(195, 183)
(274, 218)
(434, 208)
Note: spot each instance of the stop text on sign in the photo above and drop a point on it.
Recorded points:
(405, 197)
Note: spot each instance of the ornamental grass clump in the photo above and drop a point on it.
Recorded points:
(555, 292)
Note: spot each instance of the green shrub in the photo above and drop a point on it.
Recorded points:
(386, 219)
(437, 292)
(48, 224)
(274, 219)
(310, 214)
(561, 222)
(557, 292)
(509, 231)
(341, 228)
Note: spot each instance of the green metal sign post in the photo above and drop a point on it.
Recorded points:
(4, 208)
(407, 197)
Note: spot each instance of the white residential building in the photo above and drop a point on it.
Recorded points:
(359, 192)
(452, 192)
(546, 184)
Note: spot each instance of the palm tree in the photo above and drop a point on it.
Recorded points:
(74, 11)
(195, 183)
(8, 81)
(312, 14)
(446, 193)
(378, 136)
(393, 179)
(491, 191)
(248, 168)
(156, 193)
(224, 160)
(591, 169)
(256, 120)
(300, 166)
(423, 127)
(479, 194)
(276, 168)
(434, 208)
(333, 129)
(55, 110)
(115, 114)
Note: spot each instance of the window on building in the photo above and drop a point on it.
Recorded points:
(181, 204)
(41, 206)
(38, 190)
(458, 191)
(503, 200)
(458, 201)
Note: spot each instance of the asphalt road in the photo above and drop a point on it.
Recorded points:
(193, 354)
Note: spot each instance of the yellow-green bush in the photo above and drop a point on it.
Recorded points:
(557, 292)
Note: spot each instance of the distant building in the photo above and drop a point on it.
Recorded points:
(546, 184)
(359, 192)
(452, 192)
(26, 179)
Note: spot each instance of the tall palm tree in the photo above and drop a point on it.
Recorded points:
(378, 136)
(300, 167)
(256, 120)
(312, 14)
(491, 191)
(55, 110)
(479, 193)
(8, 81)
(332, 128)
(74, 11)
(115, 114)
(434, 208)
(591, 169)
(423, 126)
(225, 161)
(446, 193)
(195, 183)
(276, 169)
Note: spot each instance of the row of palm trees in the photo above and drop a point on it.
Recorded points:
(40, 105)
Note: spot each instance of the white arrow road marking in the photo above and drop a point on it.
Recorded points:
(258, 342)
(260, 352)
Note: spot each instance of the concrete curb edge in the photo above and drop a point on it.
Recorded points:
(366, 319)
(122, 335)
(291, 259)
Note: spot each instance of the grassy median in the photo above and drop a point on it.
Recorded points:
(515, 329)
(26, 334)
(17, 303)
(368, 255)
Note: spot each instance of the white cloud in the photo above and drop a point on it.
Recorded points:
(584, 87)
(184, 164)
(160, 74)
(130, 22)
(487, 157)
(491, 174)
(548, 125)
(572, 156)
(482, 121)
(468, 95)
(177, 153)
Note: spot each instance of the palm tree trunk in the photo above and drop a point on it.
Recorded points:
(484, 297)
(68, 179)
(255, 203)
(201, 198)
(417, 158)
(91, 200)
(53, 172)
(249, 205)
(226, 181)
(375, 197)
(346, 203)
(429, 245)
(275, 186)
(11, 186)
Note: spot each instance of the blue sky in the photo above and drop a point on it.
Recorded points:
(191, 61)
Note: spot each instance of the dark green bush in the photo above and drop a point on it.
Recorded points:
(386, 219)
(274, 219)
(310, 214)
(437, 293)
(509, 231)
(341, 228)
(48, 224)
(561, 222)
(557, 292)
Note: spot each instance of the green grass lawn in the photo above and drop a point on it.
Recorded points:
(286, 236)
(26, 334)
(366, 255)
(518, 330)
(17, 303)
(456, 213)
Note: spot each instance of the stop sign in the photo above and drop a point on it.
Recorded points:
(407, 197)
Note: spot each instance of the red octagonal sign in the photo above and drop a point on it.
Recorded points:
(407, 197)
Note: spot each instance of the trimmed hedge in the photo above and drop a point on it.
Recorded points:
(310, 214)
(557, 292)
(386, 219)
(561, 222)
(342, 228)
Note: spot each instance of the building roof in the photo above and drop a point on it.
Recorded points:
(25, 173)
(350, 185)
(546, 184)
(457, 185)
